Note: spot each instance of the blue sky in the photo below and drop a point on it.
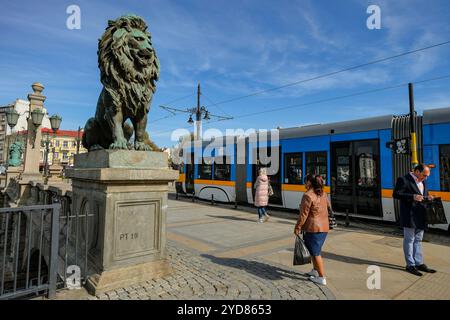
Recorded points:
(234, 48)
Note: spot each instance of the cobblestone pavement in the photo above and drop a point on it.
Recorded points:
(218, 252)
(207, 277)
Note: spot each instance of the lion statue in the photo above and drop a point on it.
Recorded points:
(129, 69)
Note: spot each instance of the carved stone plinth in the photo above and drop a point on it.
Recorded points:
(125, 195)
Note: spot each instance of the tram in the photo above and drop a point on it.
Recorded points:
(354, 157)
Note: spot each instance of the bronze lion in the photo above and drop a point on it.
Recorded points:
(129, 69)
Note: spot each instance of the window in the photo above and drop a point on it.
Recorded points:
(55, 155)
(444, 170)
(65, 144)
(74, 143)
(57, 143)
(316, 163)
(65, 156)
(222, 169)
(205, 169)
(293, 172)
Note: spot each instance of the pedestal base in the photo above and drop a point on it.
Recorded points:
(55, 173)
(125, 194)
(127, 276)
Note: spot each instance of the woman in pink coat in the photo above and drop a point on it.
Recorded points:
(262, 194)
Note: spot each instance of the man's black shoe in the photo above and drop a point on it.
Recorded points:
(414, 271)
(424, 268)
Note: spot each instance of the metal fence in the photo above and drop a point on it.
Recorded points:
(29, 243)
(78, 235)
(47, 246)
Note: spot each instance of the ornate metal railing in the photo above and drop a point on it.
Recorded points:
(75, 235)
(29, 245)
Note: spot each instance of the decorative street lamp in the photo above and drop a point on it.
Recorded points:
(36, 116)
(55, 122)
(12, 116)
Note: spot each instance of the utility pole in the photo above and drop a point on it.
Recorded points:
(198, 111)
(412, 124)
(198, 115)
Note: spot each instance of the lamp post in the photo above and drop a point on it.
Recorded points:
(12, 116)
(78, 140)
(55, 122)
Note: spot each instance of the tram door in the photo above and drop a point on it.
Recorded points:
(355, 177)
(190, 176)
(274, 176)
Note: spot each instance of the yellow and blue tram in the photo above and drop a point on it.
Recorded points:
(354, 157)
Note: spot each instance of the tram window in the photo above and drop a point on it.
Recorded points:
(222, 171)
(293, 168)
(205, 169)
(444, 170)
(343, 166)
(316, 163)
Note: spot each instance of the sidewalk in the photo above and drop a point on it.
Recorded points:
(218, 252)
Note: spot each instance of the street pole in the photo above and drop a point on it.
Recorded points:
(47, 150)
(78, 140)
(198, 114)
(412, 119)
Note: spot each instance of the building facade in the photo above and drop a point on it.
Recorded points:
(62, 145)
(22, 107)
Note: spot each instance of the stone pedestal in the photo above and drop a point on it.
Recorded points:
(55, 171)
(126, 191)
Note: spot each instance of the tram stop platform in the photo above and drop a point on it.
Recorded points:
(219, 252)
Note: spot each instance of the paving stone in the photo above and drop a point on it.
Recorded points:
(196, 277)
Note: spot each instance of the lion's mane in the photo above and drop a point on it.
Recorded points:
(130, 87)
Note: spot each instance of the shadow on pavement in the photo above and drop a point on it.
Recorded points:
(232, 218)
(251, 219)
(353, 260)
(346, 259)
(259, 269)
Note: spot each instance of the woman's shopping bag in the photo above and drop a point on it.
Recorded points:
(331, 219)
(301, 252)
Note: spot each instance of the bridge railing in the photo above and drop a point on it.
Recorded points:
(28, 236)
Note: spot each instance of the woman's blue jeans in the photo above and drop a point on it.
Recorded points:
(261, 212)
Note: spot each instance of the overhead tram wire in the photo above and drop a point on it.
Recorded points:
(332, 73)
(339, 97)
(215, 105)
(309, 79)
(325, 100)
(181, 98)
(172, 101)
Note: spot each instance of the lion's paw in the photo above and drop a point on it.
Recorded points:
(119, 144)
(142, 146)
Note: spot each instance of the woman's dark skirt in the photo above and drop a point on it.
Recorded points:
(314, 242)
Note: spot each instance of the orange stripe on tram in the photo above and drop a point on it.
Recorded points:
(215, 182)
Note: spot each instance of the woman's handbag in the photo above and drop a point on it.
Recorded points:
(331, 218)
(301, 252)
(270, 190)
